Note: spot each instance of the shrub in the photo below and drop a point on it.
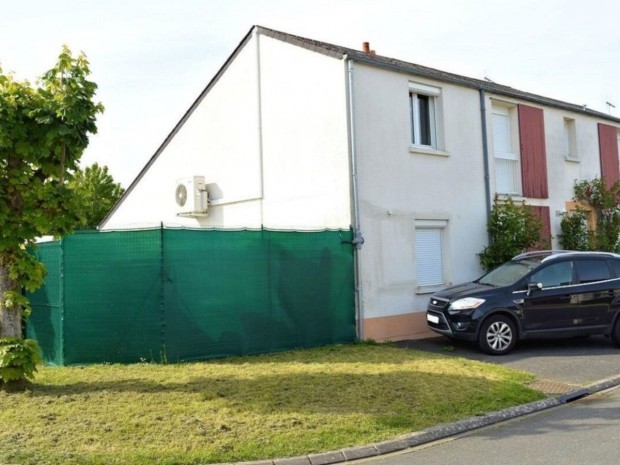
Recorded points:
(513, 229)
(605, 202)
(18, 359)
(575, 235)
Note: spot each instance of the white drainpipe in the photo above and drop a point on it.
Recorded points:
(358, 240)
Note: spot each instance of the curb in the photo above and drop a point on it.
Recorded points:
(442, 431)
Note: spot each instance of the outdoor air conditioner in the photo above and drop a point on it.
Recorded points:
(191, 197)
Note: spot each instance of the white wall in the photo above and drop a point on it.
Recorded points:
(271, 141)
(305, 139)
(399, 186)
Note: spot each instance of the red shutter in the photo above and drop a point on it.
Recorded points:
(608, 149)
(545, 233)
(533, 152)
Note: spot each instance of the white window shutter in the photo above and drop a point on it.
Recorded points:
(428, 257)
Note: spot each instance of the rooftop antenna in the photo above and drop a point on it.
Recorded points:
(610, 106)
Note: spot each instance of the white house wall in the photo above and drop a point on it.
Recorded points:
(219, 141)
(399, 186)
(304, 138)
(275, 157)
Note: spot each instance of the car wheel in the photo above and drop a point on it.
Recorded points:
(615, 334)
(497, 335)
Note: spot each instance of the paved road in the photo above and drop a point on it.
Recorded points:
(571, 361)
(586, 431)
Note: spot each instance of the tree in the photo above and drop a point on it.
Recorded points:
(513, 229)
(44, 131)
(97, 193)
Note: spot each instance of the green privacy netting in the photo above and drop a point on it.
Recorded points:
(175, 294)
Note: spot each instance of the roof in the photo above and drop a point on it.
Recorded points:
(342, 53)
(426, 72)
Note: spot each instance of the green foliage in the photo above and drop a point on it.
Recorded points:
(44, 131)
(575, 235)
(97, 193)
(605, 200)
(513, 229)
(18, 359)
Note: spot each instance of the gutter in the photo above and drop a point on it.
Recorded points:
(358, 239)
(485, 156)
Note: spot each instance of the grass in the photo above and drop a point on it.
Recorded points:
(245, 408)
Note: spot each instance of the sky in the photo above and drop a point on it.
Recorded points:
(152, 58)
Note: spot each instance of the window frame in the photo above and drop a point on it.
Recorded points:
(432, 95)
(570, 139)
(514, 155)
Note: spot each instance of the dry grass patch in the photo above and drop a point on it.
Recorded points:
(245, 408)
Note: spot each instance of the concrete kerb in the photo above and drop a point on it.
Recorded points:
(442, 431)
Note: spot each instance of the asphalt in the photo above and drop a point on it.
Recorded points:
(566, 370)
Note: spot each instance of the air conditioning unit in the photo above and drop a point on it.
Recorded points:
(191, 197)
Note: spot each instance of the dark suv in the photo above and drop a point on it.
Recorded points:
(536, 294)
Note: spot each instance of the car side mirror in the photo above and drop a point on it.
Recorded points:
(531, 287)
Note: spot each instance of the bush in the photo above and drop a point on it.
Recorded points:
(18, 359)
(513, 229)
(605, 202)
(575, 235)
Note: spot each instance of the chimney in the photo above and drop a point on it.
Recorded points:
(367, 50)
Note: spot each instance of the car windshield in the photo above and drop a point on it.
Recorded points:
(509, 273)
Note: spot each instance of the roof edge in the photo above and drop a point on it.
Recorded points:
(179, 125)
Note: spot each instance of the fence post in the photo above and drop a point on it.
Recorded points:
(61, 299)
(162, 294)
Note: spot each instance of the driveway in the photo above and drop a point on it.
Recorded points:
(559, 364)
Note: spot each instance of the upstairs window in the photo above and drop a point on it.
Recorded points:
(423, 108)
(570, 140)
(507, 160)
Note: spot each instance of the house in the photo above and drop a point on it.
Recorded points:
(297, 134)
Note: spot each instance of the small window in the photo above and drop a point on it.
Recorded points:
(554, 275)
(429, 253)
(570, 140)
(590, 271)
(423, 109)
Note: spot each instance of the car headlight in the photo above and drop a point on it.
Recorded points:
(468, 303)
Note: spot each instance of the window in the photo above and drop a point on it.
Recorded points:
(557, 274)
(429, 252)
(570, 140)
(590, 271)
(507, 166)
(423, 109)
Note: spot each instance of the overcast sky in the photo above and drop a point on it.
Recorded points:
(151, 58)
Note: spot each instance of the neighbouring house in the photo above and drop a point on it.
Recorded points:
(296, 134)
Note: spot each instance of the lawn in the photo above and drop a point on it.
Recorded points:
(245, 408)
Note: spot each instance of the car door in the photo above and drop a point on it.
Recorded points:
(552, 307)
(597, 291)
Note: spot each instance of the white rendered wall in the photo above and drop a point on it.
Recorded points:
(305, 139)
(219, 141)
(276, 158)
(399, 186)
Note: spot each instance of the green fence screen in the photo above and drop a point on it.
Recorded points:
(178, 295)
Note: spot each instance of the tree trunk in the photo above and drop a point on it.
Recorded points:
(11, 317)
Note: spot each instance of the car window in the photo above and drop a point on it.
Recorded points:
(592, 270)
(509, 273)
(615, 265)
(556, 274)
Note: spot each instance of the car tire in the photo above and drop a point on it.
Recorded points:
(497, 336)
(615, 333)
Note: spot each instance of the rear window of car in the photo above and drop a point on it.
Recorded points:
(615, 265)
(590, 271)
